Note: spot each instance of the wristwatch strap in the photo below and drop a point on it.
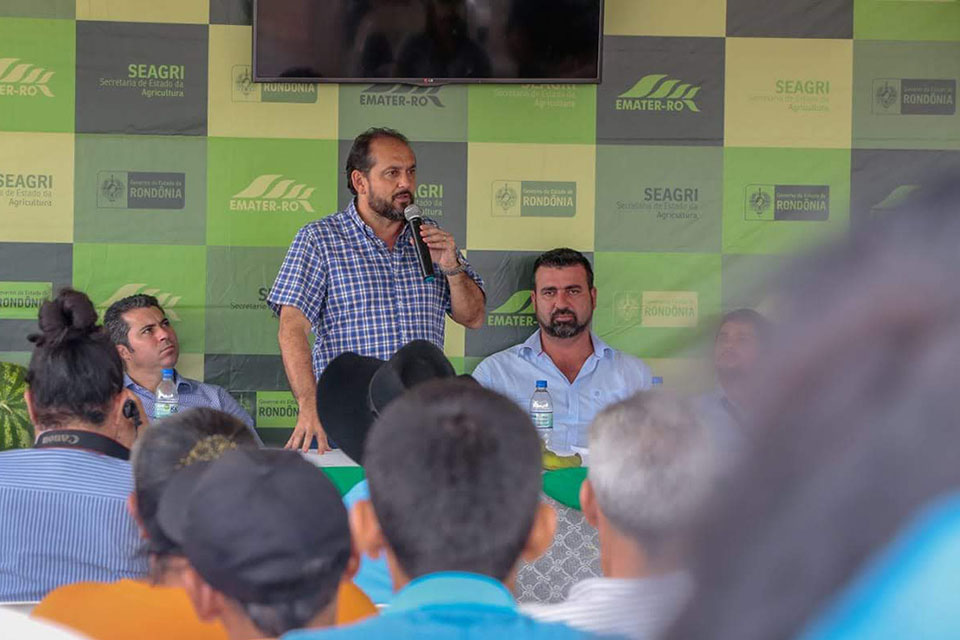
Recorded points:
(460, 268)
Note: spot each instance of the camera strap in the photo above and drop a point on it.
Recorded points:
(85, 440)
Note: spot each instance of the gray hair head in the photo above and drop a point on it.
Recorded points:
(652, 465)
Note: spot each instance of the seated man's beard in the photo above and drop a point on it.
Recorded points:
(567, 328)
(385, 207)
(736, 371)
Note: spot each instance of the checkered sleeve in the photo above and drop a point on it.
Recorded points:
(302, 280)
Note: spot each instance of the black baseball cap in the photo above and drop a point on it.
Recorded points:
(259, 525)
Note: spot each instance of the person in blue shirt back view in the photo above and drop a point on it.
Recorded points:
(454, 475)
(63, 502)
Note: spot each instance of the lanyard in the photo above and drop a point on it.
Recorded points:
(87, 440)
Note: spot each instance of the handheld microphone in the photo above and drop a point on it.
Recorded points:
(414, 217)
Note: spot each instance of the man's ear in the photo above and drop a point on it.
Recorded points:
(125, 433)
(28, 400)
(593, 296)
(134, 512)
(588, 504)
(359, 181)
(367, 537)
(206, 601)
(541, 533)
(353, 564)
(126, 353)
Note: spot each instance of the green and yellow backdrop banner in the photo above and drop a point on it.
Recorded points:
(136, 155)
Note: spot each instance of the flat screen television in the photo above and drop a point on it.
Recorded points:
(427, 42)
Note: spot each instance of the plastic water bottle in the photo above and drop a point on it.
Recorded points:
(541, 411)
(168, 398)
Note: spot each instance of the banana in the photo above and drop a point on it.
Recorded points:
(552, 462)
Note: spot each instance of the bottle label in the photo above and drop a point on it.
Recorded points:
(542, 419)
(164, 409)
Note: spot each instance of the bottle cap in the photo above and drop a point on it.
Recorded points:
(168, 373)
(541, 384)
(657, 380)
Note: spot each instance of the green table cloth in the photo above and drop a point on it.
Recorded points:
(562, 485)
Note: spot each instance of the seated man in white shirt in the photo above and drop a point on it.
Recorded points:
(738, 351)
(583, 373)
(652, 468)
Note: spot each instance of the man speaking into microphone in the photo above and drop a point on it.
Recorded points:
(360, 281)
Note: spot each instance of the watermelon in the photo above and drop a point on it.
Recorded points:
(16, 432)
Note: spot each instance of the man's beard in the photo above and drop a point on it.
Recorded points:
(384, 206)
(735, 372)
(564, 329)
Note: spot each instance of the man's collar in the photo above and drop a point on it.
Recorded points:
(354, 214)
(534, 345)
(451, 588)
(600, 348)
(728, 405)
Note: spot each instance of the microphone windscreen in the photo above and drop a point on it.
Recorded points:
(412, 212)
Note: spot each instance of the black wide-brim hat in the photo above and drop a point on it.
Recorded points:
(353, 389)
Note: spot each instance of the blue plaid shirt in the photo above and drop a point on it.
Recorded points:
(358, 295)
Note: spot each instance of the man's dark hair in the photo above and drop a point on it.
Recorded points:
(761, 325)
(75, 371)
(113, 319)
(359, 158)
(563, 257)
(454, 473)
(195, 435)
(274, 620)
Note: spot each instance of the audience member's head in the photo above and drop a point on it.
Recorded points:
(267, 539)
(741, 340)
(858, 429)
(563, 293)
(652, 468)
(145, 339)
(454, 473)
(75, 376)
(196, 435)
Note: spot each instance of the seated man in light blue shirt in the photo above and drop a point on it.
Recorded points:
(147, 344)
(454, 473)
(583, 373)
(741, 343)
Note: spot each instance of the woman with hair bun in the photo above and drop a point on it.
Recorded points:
(63, 515)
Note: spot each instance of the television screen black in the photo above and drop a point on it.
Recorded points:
(427, 41)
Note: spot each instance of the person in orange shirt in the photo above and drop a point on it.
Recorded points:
(261, 559)
(159, 609)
